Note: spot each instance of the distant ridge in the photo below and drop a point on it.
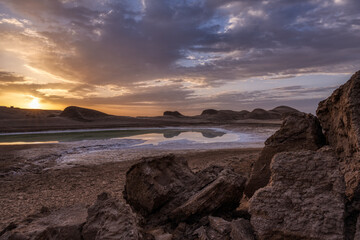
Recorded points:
(257, 113)
(82, 114)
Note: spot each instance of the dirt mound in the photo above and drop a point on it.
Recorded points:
(82, 114)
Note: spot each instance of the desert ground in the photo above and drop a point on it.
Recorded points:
(30, 181)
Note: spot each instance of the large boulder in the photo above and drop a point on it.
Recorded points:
(304, 199)
(339, 116)
(222, 194)
(154, 181)
(110, 218)
(298, 131)
(62, 224)
(164, 188)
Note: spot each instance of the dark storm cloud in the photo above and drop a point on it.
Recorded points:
(116, 44)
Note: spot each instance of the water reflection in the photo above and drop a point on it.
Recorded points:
(71, 136)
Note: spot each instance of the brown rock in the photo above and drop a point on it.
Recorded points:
(109, 219)
(304, 199)
(298, 131)
(241, 230)
(339, 116)
(165, 187)
(63, 224)
(154, 181)
(222, 194)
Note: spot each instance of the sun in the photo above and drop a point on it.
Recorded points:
(34, 104)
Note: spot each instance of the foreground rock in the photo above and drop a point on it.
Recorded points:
(299, 131)
(340, 118)
(110, 218)
(163, 188)
(62, 224)
(304, 199)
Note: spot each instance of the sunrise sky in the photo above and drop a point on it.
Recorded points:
(142, 57)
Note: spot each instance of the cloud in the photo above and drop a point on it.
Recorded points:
(101, 46)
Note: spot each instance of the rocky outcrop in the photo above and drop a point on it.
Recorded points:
(62, 224)
(110, 218)
(173, 114)
(304, 199)
(339, 116)
(298, 131)
(165, 187)
(82, 114)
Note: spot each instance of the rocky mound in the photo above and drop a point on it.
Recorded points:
(82, 114)
(172, 114)
(298, 131)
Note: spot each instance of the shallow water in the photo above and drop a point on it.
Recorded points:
(165, 137)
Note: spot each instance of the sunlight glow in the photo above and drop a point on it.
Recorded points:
(34, 104)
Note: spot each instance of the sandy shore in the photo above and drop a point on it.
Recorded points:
(31, 177)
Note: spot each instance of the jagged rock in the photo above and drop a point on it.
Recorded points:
(298, 131)
(110, 218)
(304, 199)
(222, 194)
(339, 116)
(62, 224)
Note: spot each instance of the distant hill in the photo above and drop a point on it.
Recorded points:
(19, 113)
(258, 113)
(173, 114)
(82, 114)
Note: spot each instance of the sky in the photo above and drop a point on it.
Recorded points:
(142, 57)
